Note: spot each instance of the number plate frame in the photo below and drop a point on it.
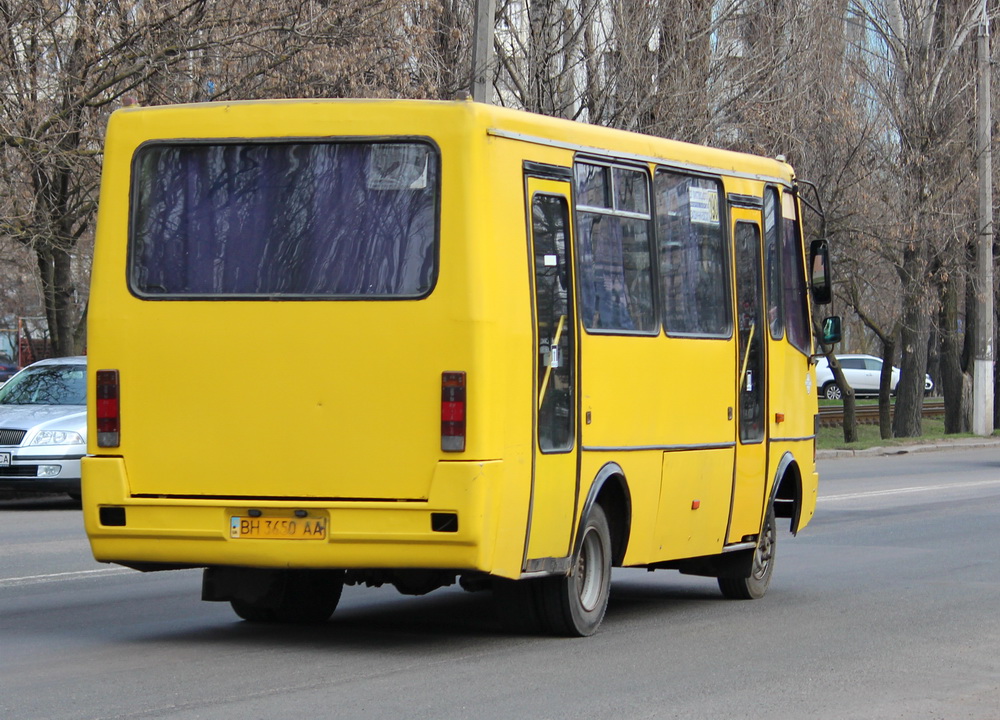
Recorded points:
(274, 527)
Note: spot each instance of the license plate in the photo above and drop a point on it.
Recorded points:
(242, 527)
(4, 459)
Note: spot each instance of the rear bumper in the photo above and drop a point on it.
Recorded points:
(360, 535)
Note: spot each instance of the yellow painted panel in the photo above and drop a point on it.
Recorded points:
(656, 391)
(313, 416)
(748, 495)
(642, 472)
(369, 534)
(686, 399)
(694, 503)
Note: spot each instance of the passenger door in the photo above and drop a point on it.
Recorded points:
(751, 449)
(554, 408)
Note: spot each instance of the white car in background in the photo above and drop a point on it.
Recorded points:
(43, 427)
(862, 373)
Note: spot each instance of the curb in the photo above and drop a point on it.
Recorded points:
(958, 444)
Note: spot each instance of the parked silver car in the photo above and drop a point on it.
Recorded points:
(43, 427)
(862, 373)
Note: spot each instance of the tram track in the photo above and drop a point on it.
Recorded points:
(833, 415)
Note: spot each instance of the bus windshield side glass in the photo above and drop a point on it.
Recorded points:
(302, 219)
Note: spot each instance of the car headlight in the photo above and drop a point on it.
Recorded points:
(58, 437)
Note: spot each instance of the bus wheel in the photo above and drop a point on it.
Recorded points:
(754, 587)
(574, 604)
(831, 391)
(298, 596)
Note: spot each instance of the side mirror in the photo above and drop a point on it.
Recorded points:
(819, 272)
(831, 330)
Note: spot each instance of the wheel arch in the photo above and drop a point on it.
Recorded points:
(609, 489)
(786, 492)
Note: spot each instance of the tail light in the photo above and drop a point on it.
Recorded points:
(453, 411)
(108, 409)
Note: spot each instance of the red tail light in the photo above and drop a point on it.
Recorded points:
(108, 409)
(453, 411)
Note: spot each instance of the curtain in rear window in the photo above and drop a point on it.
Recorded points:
(284, 219)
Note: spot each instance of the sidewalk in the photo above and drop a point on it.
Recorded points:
(916, 447)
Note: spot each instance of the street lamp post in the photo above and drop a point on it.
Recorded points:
(982, 379)
(482, 51)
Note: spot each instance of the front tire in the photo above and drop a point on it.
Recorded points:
(754, 586)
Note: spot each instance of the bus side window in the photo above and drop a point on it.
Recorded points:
(614, 259)
(694, 261)
(772, 263)
(797, 325)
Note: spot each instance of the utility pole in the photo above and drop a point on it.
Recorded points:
(482, 51)
(982, 378)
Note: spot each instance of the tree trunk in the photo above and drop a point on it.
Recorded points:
(915, 329)
(55, 271)
(847, 396)
(950, 379)
(62, 304)
(885, 389)
(80, 332)
(910, 389)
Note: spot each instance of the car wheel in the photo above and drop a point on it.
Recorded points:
(831, 391)
(754, 586)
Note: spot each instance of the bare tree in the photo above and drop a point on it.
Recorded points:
(914, 72)
(65, 64)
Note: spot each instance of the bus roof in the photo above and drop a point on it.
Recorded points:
(496, 121)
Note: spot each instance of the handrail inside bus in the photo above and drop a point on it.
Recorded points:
(548, 370)
(746, 355)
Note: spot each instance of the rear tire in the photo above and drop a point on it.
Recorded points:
(754, 586)
(574, 604)
(831, 391)
(571, 605)
(302, 597)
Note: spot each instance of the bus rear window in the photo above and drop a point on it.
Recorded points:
(267, 219)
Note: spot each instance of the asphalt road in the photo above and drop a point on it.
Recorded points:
(886, 606)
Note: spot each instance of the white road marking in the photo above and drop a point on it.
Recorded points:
(57, 577)
(908, 490)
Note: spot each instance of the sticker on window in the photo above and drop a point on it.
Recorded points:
(704, 205)
(397, 167)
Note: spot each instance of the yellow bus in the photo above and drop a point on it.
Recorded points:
(411, 342)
